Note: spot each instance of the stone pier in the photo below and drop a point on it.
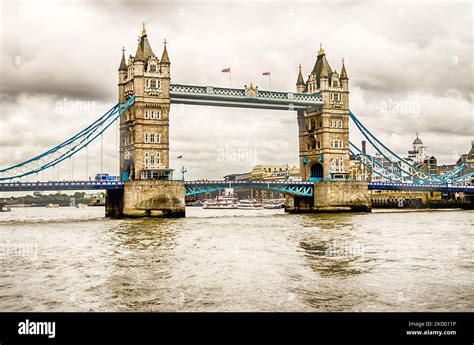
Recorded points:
(147, 198)
(332, 196)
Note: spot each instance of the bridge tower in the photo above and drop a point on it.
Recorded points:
(324, 131)
(144, 127)
(324, 144)
(149, 190)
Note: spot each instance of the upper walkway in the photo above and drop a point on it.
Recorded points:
(242, 98)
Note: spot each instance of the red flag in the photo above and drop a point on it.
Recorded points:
(226, 70)
(266, 73)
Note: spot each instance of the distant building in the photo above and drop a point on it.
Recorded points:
(281, 172)
(419, 152)
(468, 159)
(443, 169)
(430, 165)
(275, 173)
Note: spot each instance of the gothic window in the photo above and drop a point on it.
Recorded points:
(336, 97)
(152, 160)
(152, 68)
(154, 84)
(152, 138)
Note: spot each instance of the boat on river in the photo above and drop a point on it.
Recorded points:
(249, 204)
(221, 202)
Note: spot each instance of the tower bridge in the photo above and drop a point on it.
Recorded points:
(146, 186)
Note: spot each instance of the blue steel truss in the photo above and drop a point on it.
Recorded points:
(230, 97)
(287, 187)
(399, 169)
(68, 148)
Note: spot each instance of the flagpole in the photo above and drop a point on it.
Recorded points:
(270, 79)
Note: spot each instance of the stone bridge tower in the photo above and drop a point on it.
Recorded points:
(324, 131)
(144, 127)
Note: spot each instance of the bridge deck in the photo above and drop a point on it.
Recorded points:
(197, 187)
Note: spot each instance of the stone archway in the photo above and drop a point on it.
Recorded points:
(317, 170)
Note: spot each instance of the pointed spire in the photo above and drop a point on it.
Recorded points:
(123, 64)
(343, 71)
(300, 80)
(144, 50)
(321, 50)
(164, 56)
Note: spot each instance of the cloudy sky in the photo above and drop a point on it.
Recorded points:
(410, 66)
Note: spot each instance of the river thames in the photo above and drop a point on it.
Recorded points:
(70, 259)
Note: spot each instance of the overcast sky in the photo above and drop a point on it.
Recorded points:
(410, 67)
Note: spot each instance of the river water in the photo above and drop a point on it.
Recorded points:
(70, 259)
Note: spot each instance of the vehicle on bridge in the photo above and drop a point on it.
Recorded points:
(106, 177)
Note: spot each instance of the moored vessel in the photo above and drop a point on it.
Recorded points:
(228, 201)
(249, 204)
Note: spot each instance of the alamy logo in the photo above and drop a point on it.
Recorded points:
(37, 328)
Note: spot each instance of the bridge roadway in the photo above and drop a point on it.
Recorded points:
(198, 187)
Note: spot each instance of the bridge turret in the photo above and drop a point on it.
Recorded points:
(344, 78)
(300, 84)
(122, 77)
(345, 87)
(165, 70)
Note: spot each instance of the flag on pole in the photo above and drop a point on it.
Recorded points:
(269, 79)
(227, 70)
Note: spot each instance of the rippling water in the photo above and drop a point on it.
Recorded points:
(71, 259)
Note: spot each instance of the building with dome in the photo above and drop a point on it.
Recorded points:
(419, 152)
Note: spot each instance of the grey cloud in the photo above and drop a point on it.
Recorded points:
(394, 51)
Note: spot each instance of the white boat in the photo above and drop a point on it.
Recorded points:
(221, 202)
(81, 206)
(274, 204)
(249, 204)
(52, 206)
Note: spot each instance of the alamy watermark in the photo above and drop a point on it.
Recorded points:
(344, 249)
(407, 106)
(67, 106)
(237, 154)
(27, 250)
